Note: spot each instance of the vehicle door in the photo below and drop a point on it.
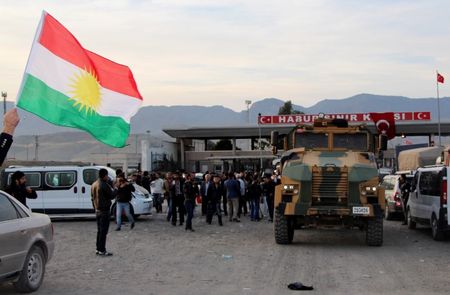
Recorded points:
(413, 201)
(446, 188)
(60, 192)
(429, 193)
(14, 236)
(88, 176)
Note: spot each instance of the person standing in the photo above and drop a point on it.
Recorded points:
(124, 195)
(242, 197)
(102, 194)
(203, 191)
(18, 188)
(268, 190)
(190, 190)
(405, 188)
(146, 181)
(233, 193)
(254, 195)
(213, 198)
(177, 199)
(157, 190)
(168, 194)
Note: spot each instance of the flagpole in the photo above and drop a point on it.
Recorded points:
(439, 108)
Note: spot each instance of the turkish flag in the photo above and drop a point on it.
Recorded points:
(385, 123)
(440, 78)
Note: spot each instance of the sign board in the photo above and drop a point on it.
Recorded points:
(351, 118)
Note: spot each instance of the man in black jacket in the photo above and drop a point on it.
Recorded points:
(213, 199)
(10, 122)
(190, 190)
(18, 188)
(102, 194)
(124, 195)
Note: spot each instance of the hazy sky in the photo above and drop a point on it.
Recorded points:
(192, 52)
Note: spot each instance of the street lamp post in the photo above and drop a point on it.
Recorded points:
(4, 95)
(260, 145)
(248, 103)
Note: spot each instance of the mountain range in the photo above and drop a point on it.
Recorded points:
(152, 119)
(67, 144)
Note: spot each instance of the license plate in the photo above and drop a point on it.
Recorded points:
(361, 210)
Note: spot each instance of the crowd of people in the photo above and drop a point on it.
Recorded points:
(234, 195)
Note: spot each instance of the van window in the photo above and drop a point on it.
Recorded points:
(90, 175)
(60, 179)
(33, 179)
(429, 183)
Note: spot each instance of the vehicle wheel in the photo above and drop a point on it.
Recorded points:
(33, 270)
(387, 214)
(283, 232)
(374, 233)
(409, 219)
(436, 232)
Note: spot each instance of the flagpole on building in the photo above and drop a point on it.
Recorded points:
(439, 108)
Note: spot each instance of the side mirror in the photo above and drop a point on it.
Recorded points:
(274, 138)
(382, 142)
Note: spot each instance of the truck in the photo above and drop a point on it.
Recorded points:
(329, 178)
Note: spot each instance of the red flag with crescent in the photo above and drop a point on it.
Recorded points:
(440, 78)
(385, 123)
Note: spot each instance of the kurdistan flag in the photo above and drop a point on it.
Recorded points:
(70, 86)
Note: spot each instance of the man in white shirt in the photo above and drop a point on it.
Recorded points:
(157, 191)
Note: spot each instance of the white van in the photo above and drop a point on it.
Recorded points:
(65, 191)
(428, 200)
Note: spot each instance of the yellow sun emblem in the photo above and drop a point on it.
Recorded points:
(85, 91)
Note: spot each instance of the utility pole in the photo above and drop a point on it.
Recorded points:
(36, 142)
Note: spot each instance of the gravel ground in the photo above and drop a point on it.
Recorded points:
(242, 258)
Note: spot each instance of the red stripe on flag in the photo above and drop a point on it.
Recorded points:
(56, 38)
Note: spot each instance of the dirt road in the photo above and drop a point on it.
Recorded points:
(242, 258)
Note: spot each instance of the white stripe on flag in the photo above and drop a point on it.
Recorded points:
(57, 72)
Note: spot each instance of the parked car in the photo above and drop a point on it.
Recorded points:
(427, 203)
(391, 184)
(26, 244)
(65, 191)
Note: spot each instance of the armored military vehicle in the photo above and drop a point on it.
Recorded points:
(329, 178)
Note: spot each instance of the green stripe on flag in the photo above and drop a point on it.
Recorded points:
(55, 107)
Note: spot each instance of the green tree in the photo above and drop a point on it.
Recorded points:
(286, 109)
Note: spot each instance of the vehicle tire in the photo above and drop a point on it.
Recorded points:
(374, 233)
(436, 232)
(283, 232)
(33, 271)
(388, 215)
(409, 219)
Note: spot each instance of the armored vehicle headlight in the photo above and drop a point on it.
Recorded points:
(290, 188)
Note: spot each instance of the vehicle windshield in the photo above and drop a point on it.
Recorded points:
(311, 140)
(355, 141)
(348, 141)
